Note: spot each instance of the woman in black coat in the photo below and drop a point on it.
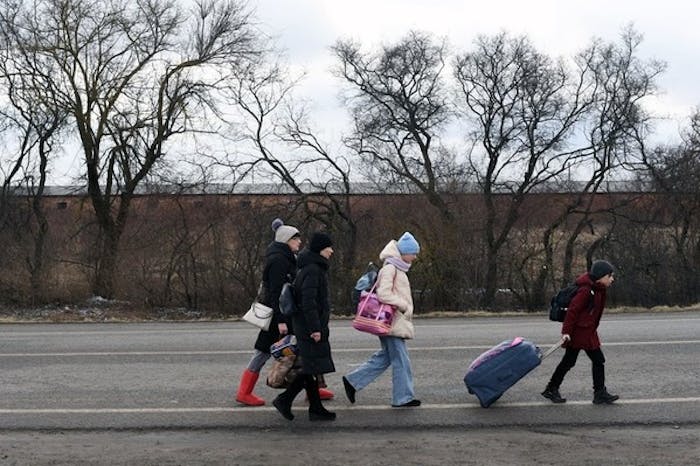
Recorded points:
(280, 267)
(310, 324)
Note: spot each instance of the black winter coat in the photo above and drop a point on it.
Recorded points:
(311, 286)
(280, 267)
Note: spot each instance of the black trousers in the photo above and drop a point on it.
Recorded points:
(569, 360)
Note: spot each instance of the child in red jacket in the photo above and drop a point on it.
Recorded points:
(580, 332)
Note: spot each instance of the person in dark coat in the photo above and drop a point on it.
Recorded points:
(280, 267)
(580, 332)
(310, 324)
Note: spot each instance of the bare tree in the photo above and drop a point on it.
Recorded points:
(613, 131)
(401, 114)
(523, 107)
(675, 171)
(537, 120)
(329, 199)
(37, 124)
(279, 144)
(399, 107)
(133, 76)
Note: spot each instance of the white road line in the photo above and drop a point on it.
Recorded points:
(339, 350)
(21, 334)
(123, 353)
(227, 409)
(541, 320)
(226, 327)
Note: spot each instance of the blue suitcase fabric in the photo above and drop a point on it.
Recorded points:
(497, 369)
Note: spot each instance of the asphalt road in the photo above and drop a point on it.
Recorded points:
(162, 393)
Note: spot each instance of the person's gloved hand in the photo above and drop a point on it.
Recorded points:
(565, 337)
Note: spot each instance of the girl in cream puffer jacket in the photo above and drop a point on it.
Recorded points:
(392, 288)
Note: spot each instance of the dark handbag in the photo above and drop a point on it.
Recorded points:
(288, 305)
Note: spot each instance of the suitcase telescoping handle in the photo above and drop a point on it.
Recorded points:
(553, 348)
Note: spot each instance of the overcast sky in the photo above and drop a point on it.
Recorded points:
(307, 28)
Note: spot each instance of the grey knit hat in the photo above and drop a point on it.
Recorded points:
(283, 233)
(599, 269)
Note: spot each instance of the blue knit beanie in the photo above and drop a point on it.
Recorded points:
(407, 244)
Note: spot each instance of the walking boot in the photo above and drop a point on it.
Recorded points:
(283, 402)
(316, 410)
(552, 394)
(603, 397)
(245, 389)
(284, 406)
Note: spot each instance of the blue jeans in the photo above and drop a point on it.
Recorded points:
(394, 354)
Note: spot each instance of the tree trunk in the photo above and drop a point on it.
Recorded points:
(538, 297)
(103, 285)
(111, 229)
(37, 261)
(490, 287)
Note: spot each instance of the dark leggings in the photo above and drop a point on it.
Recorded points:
(569, 361)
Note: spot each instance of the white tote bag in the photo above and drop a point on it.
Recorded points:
(259, 315)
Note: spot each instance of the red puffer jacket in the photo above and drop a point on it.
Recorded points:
(583, 316)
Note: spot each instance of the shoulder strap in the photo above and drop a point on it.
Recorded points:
(591, 298)
(379, 274)
(393, 281)
(374, 286)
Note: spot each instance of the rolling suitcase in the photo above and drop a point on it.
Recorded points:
(499, 368)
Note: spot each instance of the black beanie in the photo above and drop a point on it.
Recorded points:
(599, 269)
(319, 242)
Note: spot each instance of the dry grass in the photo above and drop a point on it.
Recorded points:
(117, 311)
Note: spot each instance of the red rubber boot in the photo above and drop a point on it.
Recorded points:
(245, 389)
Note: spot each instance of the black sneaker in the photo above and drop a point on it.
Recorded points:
(603, 397)
(349, 390)
(321, 415)
(410, 404)
(553, 394)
